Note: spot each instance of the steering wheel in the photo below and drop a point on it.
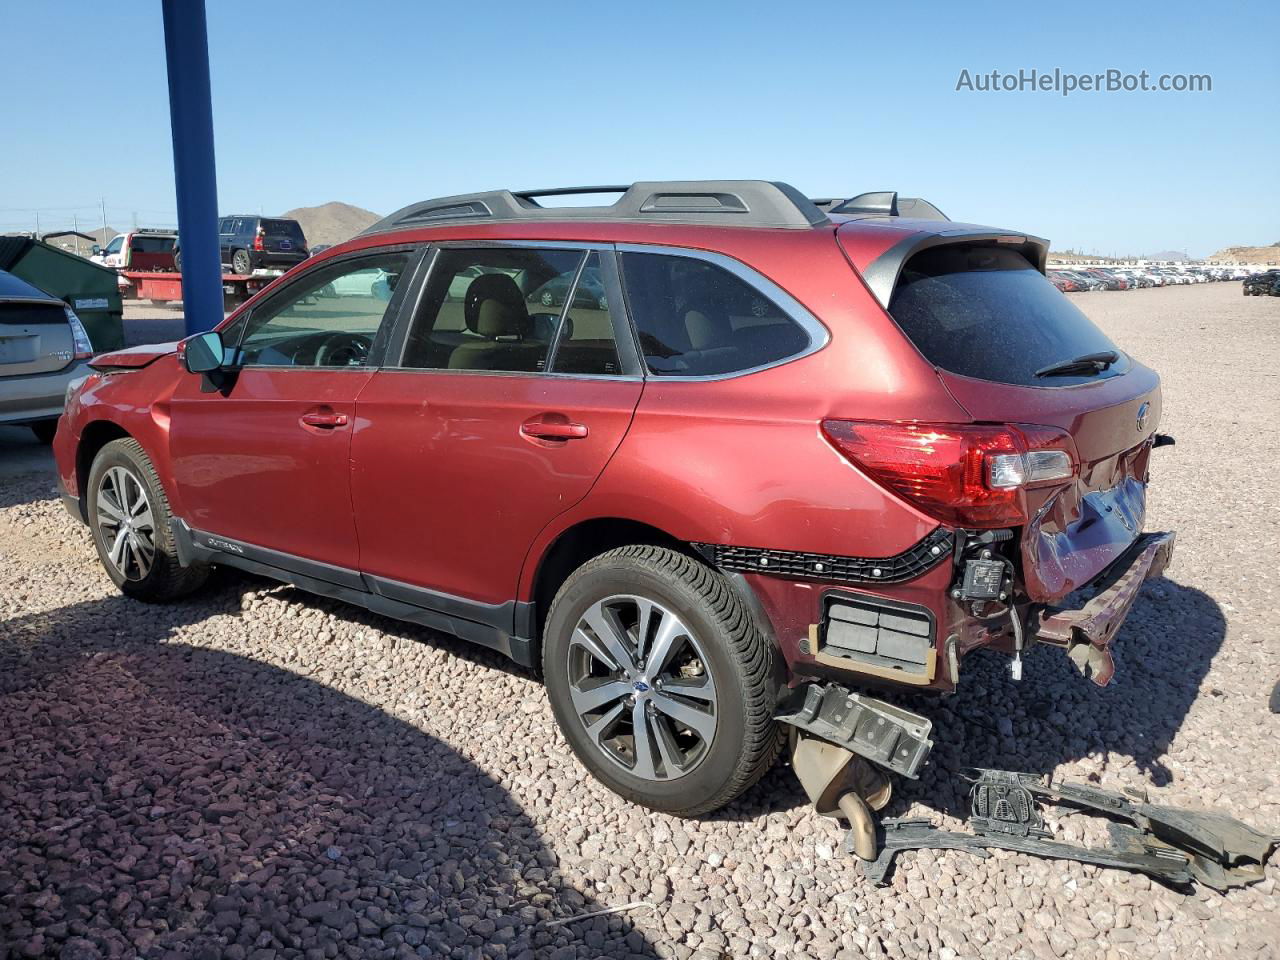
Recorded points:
(343, 350)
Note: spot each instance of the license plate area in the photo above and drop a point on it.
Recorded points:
(19, 349)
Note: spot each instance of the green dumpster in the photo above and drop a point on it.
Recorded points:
(89, 289)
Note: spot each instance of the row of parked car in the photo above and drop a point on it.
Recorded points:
(1131, 278)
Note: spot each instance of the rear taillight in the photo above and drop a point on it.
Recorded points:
(257, 239)
(79, 336)
(963, 476)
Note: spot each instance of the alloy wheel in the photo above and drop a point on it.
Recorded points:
(126, 523)
(641, 688)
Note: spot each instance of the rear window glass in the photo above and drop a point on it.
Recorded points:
(986, 313)
(144, 244)
(282, 228)
(696, 319)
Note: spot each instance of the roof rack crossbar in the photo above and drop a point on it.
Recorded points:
(569, 191)
(745, 203)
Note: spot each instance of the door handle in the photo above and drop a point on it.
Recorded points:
(325, 421)
(552, 430)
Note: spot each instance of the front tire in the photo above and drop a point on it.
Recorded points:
(661, 681)
(45, 430)
(129, 516)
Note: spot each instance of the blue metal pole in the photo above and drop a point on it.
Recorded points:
(186, 48)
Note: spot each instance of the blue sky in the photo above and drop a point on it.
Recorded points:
(379, 104)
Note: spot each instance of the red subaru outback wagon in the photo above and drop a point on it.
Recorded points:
(712, 457)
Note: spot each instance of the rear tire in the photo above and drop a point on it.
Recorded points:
(129, 516)
(698, 677)
(241, 263)
(44, 430)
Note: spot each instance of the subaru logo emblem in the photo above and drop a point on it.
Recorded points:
(641, 686)
(1142, 416)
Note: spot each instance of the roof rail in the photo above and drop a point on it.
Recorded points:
(886, 203)
(737, 203)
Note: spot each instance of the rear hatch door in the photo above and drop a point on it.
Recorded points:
(35, 338)
(993, 326)
(283, 236)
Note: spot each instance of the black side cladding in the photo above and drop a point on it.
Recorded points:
(907, 565)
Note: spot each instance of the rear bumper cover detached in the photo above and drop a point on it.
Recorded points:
(1086, 632)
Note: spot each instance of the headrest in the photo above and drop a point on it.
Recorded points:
(704, 332)
(495, 307)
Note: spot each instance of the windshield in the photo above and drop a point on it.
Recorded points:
(986, 313)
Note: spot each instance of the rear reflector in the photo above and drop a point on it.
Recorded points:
(962, 475)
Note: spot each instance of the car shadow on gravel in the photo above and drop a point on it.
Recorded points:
(1054, 716)
(162, 799)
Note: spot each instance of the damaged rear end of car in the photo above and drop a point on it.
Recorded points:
(1044, 491)
(1039, 497)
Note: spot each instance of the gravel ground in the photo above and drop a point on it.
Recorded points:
(259, 773)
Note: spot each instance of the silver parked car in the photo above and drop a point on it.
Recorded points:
(43, 348)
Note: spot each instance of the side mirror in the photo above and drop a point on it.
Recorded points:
(95, 249)
(203, 353)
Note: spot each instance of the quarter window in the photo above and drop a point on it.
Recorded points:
(328, 318)
(696, 319)
(496, 309)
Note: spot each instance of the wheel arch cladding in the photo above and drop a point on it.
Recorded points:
(583, 542)
(95, 435)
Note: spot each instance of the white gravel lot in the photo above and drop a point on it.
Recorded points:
(259, 773)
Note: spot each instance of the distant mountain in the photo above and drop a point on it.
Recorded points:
(1248, 254)
(331, 222)
(1167, 255)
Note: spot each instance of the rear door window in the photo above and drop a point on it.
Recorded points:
(695, 318)
(986, 313)
(153, 244)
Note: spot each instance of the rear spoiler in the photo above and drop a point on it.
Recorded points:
(883, 203)
(881, 275)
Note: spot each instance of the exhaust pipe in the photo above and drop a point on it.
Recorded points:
(862, 828)
(841, 784)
